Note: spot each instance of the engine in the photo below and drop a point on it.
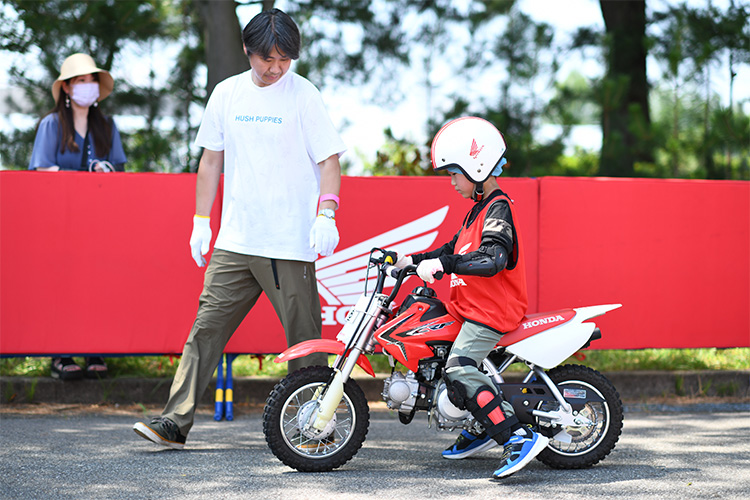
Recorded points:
(400, 392)
(405, 393)
(448, 415)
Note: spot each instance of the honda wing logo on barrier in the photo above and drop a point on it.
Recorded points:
(341, 276)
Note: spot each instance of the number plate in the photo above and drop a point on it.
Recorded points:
(352, 320)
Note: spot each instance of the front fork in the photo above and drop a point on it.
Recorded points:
(343, 367)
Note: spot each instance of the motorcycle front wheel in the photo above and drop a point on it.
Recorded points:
(291, 404)
(591, 442)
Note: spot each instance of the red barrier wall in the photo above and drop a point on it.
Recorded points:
(101, 263)
(676, 253)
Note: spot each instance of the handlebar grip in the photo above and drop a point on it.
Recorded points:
(438, 275)
(393, 271)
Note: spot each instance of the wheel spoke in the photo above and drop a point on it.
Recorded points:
(292, 407)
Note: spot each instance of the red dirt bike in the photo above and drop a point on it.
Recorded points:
(316, 419)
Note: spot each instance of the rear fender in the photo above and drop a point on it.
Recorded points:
(321, 345)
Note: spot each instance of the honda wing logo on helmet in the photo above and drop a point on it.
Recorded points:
(341, 276)
(475, 149)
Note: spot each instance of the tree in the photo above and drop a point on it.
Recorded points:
(55, 29)
(697, 135)
(398, 157)
(222, 39)
(624, 91)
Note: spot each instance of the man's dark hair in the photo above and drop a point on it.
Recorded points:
(269, 29)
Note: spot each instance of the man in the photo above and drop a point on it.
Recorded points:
(270, 131)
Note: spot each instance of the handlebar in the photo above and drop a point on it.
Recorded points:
(410, 270)
(386, 262)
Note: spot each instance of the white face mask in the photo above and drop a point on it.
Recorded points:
(85, 94)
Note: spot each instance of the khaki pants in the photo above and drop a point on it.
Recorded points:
(233, 283)
(475, 342)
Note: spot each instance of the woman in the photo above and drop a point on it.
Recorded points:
(75, 135)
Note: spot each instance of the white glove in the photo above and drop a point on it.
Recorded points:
(428, 268)
(403, 261)
(200, 240)
(324, 236)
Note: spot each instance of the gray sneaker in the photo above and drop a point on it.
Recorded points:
(161, 431)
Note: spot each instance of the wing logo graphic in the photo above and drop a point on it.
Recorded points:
(455, 280)
(475, 149)
(341, 276)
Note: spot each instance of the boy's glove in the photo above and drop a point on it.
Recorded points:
(200, 240)
(324, 236)
(428, 268)
(403, 261)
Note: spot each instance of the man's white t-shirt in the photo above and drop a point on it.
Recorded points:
(273, 139)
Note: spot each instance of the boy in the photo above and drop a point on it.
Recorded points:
(488, 289)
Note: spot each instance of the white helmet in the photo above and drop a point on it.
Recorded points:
(472, 145)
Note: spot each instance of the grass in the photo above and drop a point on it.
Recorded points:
(244, 366)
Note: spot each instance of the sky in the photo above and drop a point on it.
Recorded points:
(362, 123)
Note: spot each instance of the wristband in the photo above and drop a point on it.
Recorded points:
(333, 197)
(203, 216)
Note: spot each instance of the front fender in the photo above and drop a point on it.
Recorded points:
(321, 345)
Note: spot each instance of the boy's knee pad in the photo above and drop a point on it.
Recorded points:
(455, 388)
(456, 393)
(486, 407)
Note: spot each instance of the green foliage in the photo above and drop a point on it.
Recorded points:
(370, 44)
(56, 29)
(581, 163)
(151, 150)
(398, 157)
(640, 360)
(263, 366)
(15, 148)
(698, 137)
(667, 359)
(53, 30)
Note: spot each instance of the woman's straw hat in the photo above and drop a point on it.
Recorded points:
(83, 64)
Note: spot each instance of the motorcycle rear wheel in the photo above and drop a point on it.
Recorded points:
(295, 396)
(590, 444)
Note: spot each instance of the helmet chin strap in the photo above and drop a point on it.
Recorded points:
(478, 194)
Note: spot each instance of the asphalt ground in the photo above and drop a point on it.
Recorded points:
(90, 451)
(685, 436)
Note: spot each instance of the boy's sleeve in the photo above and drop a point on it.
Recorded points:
(498, 226)
(445, 251)
(497, 237)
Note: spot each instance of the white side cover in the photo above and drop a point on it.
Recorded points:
(549, 348)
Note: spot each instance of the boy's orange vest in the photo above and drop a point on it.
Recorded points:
(498, 301)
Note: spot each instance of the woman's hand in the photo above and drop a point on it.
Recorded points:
(101, 166)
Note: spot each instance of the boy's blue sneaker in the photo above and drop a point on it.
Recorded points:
(519, 451)
(468, 444)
